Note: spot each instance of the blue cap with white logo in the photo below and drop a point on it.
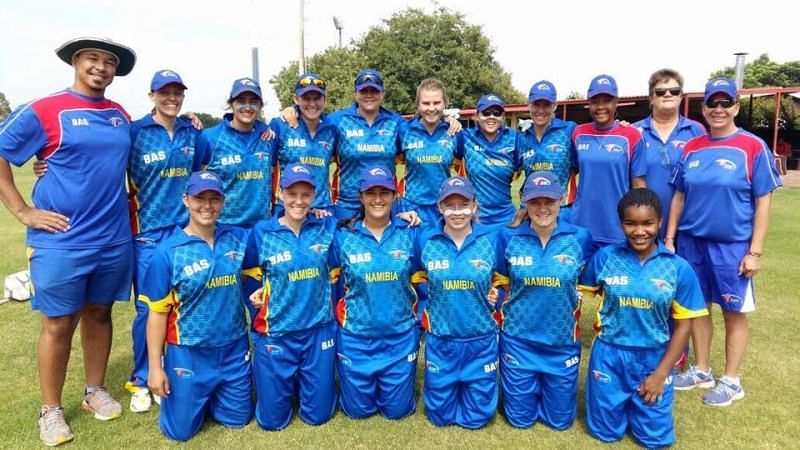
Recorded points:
(603, 84)
(489, 100)
(541, 184)
(721, 86)
(377, 176)
(456, 186)
(165, 77)
(202, 181)
(542, 90)
(369, 78)
(243, 85)
(297, 173)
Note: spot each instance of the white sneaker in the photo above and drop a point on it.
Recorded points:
(141, 401)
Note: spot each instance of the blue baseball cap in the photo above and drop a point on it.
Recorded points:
(489, 100)
(165, 77)
(202, 181)
(603, 84)
(721, 86)
(308, 82)
(542, 90)
(297, 173)
(369, 78)
(245, 85)
(377, 176)
(456, 186)
(541, 184)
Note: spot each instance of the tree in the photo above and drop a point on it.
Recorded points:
(575, 95)
(407, 48)
(208, 120)
(762, 72)
(5, 108)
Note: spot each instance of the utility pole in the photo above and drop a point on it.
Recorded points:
(255, 64)
(302, 60)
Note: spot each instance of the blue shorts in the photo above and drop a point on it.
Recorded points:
(213, 380)
(540, 382)
(64, 281)
(612, 404)
(460, 380)
(377, 373)
(717, 267)
(302, 363)
(144, 247)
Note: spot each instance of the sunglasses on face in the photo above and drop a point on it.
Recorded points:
(724, 102)
(491, 113)
(308, 81)
(660, 92)
(369, 78)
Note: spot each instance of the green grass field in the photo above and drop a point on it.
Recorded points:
(766, 418)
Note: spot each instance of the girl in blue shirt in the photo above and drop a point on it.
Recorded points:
(540, 347)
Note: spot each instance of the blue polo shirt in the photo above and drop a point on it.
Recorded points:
(361, 146)
(637, 299)
(603, 159)
(158, 169)
(428, 158)
(374, 291)
(543, 305)
(459, 281)
(554, 153)
(491, 167)
(721, 178)
(659, 159)
(199, 286)
(86, 142)
(294, 273)
(244, 163)
(296, 146)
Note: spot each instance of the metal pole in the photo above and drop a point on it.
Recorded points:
(302, 60)
(340, 38)
(255, 64)
(739, 73)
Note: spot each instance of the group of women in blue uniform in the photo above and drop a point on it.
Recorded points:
(339, 280)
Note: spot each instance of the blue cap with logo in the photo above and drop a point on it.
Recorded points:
(541, 184)
(165, 77)
(542, 90)
(456, 186)
(489, 100)
(721, 86)
(377, 176)
(603, 84)
(297, 173)
(243, 85)
(202, 181)
(308, 82)
(369, 78)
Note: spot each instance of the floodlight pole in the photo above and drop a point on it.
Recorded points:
(302, 60)
(337, 22)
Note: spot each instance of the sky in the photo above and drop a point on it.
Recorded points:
(209, 42)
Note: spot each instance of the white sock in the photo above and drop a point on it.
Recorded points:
(731, 381)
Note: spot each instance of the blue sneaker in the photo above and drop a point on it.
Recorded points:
(723, 394)
(692, 378)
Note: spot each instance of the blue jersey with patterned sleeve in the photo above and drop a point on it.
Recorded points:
(85, 141)
(296, 146)
(244, 163)
(428, 157)
(199, 286)
(658, 159)
(360, 146)
(637, 298)
(543, 305)
(158, 168)
(491, 167)
(603, 159)
(554, 153)
(294, 273)
(459, 281)
(374, 291)
(728, 173)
